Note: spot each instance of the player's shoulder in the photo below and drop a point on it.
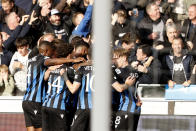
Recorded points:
(38, 58)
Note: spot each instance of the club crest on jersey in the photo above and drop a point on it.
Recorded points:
(117, 71)
(76, 76)
(126, 116)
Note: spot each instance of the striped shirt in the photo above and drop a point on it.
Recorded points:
(127, 97)
(35, 79)
(85, 76)
(58, 95)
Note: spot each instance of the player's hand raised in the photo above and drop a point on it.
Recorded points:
(130, 80)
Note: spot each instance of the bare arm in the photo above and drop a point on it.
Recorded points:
(51, 68)
(121, 87)
(59, 61)
(47, 74)
(73, 87)
(77, 66)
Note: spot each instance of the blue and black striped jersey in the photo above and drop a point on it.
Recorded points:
(85, 76)
(35, 79)
(58, 95)
(127, 97)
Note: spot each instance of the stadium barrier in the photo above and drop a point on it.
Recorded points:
(158, 113)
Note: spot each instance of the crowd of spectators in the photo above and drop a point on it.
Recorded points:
(160, 36)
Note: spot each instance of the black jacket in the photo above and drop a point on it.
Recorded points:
(122, 28)
(6, 57)
(19, 11)
(168, 66)
(185, 32)
(145, 28)
(62, 29)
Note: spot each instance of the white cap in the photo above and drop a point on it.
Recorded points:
(54, 12)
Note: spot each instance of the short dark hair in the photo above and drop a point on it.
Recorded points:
(81, 43)
(75, 40)
(50, 44)
(146, 49)
(129, 38)
(22, 41)
(63, 50)
(57, 41)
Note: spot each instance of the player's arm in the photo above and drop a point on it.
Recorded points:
(139, 102)
(148, 62)
(73, 87)
(47, 74)
(59, 61)
(78, 65)
(51, 68)
(121, 87)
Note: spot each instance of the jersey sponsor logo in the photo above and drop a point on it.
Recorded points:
(62, 116)
(126, 116)
(75, 117)
(35, 112)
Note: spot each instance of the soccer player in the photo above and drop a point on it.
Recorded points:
(124, 82)
(33, 98)
(57, 104)
(83, 83)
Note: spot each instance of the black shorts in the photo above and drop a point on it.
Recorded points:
(55, 120)
(81, 120)
(32, 114)
(126, 121)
